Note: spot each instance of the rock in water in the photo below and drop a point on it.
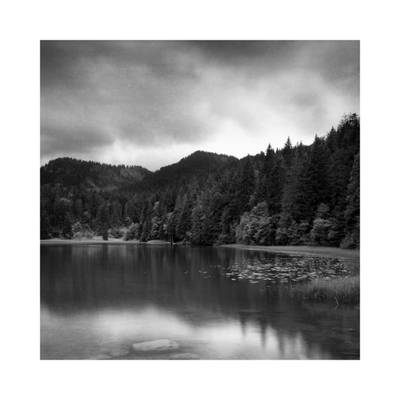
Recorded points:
(156, 345)
(100, 356)
(119, 352)
(184, 356)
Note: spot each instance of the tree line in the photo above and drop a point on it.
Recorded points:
(294, 195)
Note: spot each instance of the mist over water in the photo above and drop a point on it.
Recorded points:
(98, 300)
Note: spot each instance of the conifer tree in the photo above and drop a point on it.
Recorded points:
(244, 187)
(352, 213)
(314, 185)
(103, 220)
(184, 223)
(275, 185)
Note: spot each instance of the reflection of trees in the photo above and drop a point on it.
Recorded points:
(189, 281)
(334, 330)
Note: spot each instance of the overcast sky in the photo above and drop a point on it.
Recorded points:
(152, 103)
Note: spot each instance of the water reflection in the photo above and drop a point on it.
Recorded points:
(99, 299)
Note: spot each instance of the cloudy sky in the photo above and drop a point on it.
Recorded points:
(152, 103)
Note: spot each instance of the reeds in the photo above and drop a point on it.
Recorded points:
(343, 290)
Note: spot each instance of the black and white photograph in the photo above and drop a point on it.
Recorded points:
(200, 200)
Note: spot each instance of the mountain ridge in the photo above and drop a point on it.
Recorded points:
(302, 194)
(122, 165)
(72, 171)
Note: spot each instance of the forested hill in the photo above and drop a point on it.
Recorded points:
(90, 175)
(295, 195)
(198, 165)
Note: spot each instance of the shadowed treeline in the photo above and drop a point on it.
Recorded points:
(296, 195)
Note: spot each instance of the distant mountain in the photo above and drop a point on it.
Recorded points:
(293, 195)
(70, 172)
(198, 164)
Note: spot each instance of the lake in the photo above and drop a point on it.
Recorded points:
(127, 301)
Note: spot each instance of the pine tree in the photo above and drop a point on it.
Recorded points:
(116, 214)
(63, 217)
(287, 154)
(156, 230)
(244, 187)
(197, 224)
(45, 226)
(184, 223)
(103, 220)
(314, 185)
(170, 226)
(275, 184)
(352, 213)
(292, 186)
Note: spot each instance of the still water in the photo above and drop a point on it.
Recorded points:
(125, 301)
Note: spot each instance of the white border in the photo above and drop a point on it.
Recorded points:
(24, 23)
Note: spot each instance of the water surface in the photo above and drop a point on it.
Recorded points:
(211, 303)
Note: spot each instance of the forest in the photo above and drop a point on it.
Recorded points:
(296, 195)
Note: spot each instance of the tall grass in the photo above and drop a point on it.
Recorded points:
(343, 290)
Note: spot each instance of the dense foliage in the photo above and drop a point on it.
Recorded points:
(296, 195)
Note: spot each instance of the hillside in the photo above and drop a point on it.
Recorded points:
(198, 164)
(290, 196)
(91, 175)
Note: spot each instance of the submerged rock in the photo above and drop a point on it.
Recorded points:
(119, 352)
(156, 345)
(101, 356)
(184, 356)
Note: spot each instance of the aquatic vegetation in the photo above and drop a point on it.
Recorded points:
(343, 290)
(306, 278)
(288, 269)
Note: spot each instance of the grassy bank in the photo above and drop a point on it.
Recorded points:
(343, 290)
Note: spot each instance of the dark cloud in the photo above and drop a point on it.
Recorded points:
(122, 101)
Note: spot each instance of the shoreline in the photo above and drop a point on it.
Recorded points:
(101, 241)
(301, 250)
(294, 250)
